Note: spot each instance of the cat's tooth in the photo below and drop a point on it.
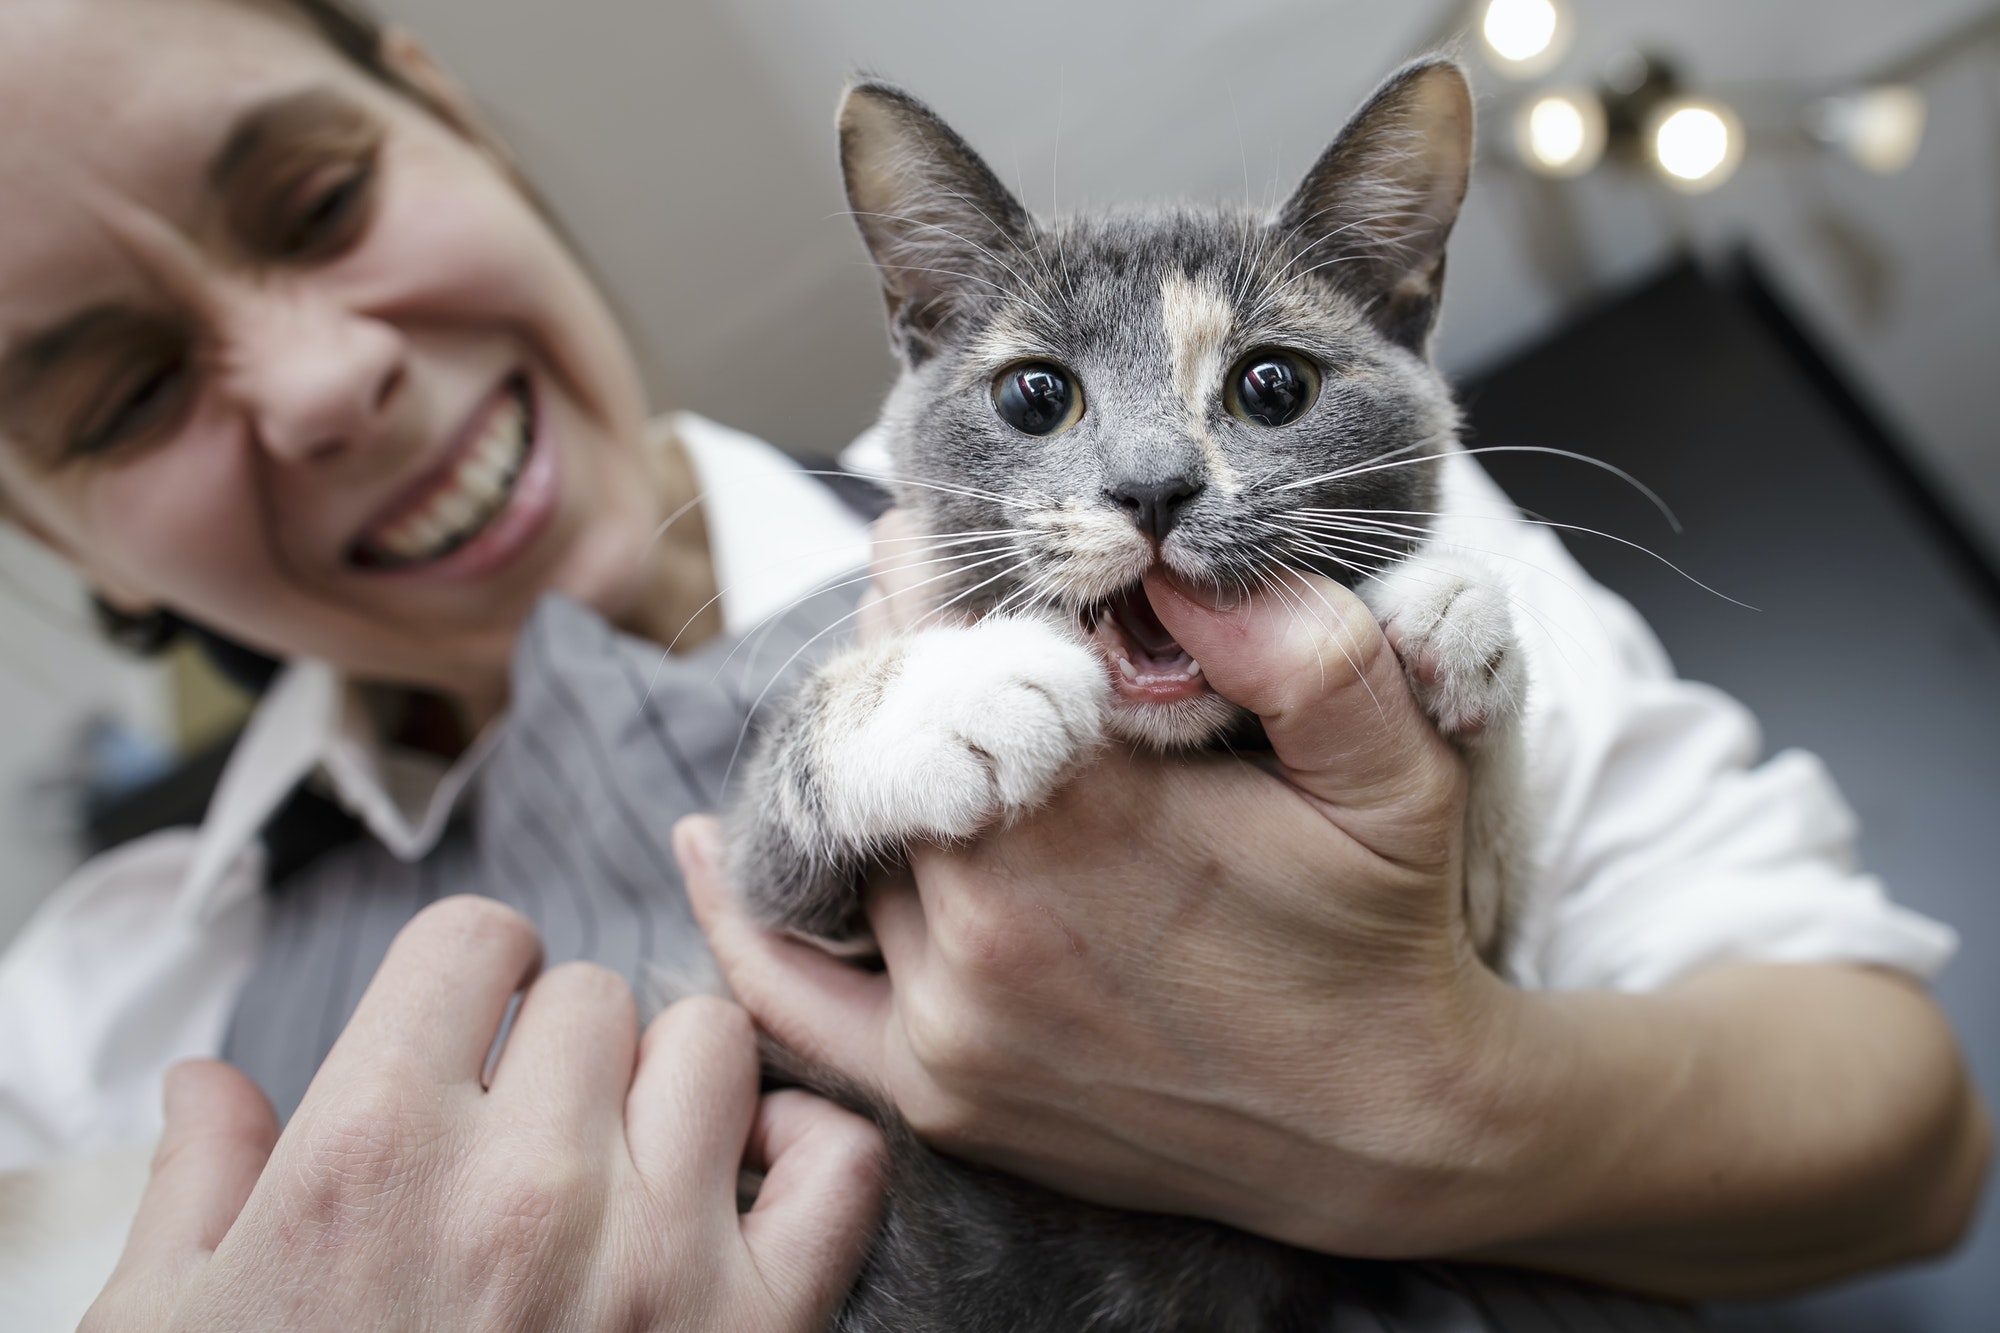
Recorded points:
(1192, 669)
(1126, 669)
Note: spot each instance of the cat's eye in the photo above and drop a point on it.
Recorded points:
(1037, 398)
(1271, 388)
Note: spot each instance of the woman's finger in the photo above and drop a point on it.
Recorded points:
(569, 1055)
(818, 1006)
(688, 1115)
(822, 1193)
(220, 1130)
(437, 1000)
(1316, 669)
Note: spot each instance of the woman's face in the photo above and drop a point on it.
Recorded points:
(285, 353)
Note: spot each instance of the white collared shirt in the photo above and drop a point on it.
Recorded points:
(135, 963)
(1665, 846)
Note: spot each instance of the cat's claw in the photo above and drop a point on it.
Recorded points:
(1449, 624)
(972, 725)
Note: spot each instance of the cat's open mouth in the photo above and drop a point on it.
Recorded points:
(1147, 666)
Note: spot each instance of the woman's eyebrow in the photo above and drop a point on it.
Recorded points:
(274, 127)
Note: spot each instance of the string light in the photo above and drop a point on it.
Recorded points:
(1524, 37)
(1561, 132)
(1879, 128)
(1696, 144)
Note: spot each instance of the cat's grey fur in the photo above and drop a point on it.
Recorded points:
(940, 732)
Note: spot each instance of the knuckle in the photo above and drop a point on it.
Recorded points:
(363, 1152)
(982, 939)
(538, 1205)
(938, 1116)
(957, 1051)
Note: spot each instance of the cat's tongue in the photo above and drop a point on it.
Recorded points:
(1147, 666)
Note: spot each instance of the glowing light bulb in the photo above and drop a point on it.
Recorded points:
(1561, 133)
(1879, 128)
(1525, 36)
(1696, 144)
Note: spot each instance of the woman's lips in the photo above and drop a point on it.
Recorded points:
(481, 507)
(1146, 665)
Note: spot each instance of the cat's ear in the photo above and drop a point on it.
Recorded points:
(945, 233)
(1375, 210)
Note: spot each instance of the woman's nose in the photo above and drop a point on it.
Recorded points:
(318, 380)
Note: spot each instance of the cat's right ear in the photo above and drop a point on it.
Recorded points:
(945, 233)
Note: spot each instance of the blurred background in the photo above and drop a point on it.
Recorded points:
(1751, 252)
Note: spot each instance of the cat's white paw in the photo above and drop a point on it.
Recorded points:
(1449, 622)
(957, 728)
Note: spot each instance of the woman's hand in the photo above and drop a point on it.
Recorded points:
(1212, 987)
(588, 1181)
(1208, 986)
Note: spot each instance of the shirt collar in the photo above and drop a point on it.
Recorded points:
(775, 535)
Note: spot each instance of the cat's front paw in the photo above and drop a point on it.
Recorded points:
(1450, 625)
(971, 725)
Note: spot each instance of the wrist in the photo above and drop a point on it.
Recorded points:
(1467, 1140)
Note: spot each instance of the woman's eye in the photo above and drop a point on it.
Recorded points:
(1272, 388)
(143, 403)
(331, 216)
(1037, 398)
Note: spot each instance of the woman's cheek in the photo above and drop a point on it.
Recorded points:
(186, 523)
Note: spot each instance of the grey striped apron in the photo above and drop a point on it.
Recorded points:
(606, 746)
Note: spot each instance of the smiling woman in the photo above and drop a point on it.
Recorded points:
(289, 352)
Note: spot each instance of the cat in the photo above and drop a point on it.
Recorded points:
(1226, 392)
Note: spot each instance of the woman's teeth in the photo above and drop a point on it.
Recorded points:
(466, 500)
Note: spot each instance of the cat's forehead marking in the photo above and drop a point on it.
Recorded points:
(1196, 317)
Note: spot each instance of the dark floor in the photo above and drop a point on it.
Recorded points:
(1876, 642)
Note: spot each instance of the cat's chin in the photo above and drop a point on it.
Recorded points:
(1185, 724)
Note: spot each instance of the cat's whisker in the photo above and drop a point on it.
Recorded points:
(937, 612)
(1037, 500)
(722, 592)
(1565, 527)
(750, 714)
(956, 562)
(1352, 545)
(772, 618)
(1651, 495)
(1520, 604)
(1353, 469)
(1341, 641)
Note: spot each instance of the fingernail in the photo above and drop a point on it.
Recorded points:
(696, 844)
(1216, 596)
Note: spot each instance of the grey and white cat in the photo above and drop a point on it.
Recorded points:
(1229, 393)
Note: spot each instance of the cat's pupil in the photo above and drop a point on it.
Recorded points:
(1035, 399)
(1273, 391)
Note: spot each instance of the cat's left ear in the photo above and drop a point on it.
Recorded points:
(947, 237)
(1374, 212)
